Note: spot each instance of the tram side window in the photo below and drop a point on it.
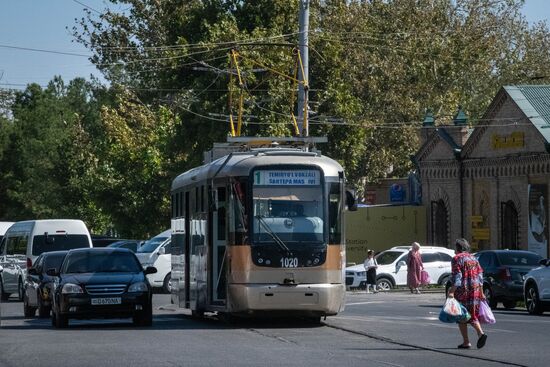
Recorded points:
(239, 216)
(221, 213)
(334, 213)
(173, 206)
(202, 199)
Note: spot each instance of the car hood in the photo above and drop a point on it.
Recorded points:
(359, 267)
(103, 278)
(146, 258)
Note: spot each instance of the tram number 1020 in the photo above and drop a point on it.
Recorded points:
(289, 262)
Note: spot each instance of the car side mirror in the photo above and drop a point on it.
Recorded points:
(52, 272)
(150, 270)
(32, 271)
(1, 269)
(162, 251)
(401, 263)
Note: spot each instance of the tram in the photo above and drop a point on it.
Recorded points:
(260, 232)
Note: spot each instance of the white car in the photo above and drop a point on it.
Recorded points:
(157, 252)
(536, 288)
(392, 267)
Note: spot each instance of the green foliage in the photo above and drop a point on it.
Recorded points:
(108, 155)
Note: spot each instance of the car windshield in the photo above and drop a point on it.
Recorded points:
(519, 258)
(152, 244)
(387, 257)
(101, 262)
(53, 261)
(58, 242)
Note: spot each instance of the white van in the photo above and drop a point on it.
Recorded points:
(157, 252)
(24, 241)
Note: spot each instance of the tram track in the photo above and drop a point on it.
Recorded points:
(420, 347)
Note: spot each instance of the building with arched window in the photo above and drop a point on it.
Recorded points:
(489, 184)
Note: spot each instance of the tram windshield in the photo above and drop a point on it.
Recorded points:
(288, 215)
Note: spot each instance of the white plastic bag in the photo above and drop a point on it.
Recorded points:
(452, 307)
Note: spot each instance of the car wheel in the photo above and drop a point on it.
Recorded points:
(28, 311)
(61, 321)
(509, 304)
(43, 311)
(20, 291)
(144, 318)
(444, 280)
(489, 296)
(532, 301)
(384, 284)
(3, 295)
(167, 284)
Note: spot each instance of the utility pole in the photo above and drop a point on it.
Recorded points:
(303, 75)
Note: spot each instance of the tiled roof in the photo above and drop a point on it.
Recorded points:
(534, 101)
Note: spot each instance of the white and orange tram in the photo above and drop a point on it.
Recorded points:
(260, 233)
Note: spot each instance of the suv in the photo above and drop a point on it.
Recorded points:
(503, 272)
(156, 252)
(392, 267)
(536, 288)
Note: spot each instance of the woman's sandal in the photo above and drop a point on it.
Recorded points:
(481, 341)
(462, 346)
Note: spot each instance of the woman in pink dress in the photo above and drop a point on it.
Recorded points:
(414, 268)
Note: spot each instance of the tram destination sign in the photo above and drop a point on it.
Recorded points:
(287, 178)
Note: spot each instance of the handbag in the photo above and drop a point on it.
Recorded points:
(425, 277)
(486, 315)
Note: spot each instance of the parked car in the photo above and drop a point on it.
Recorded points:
(101, 283)
(39, 285)
(24, 241)
(503, 272)
(536, 288)
(157, 252)
(392, 267)
(131, 245)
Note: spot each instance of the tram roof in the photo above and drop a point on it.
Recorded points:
(241, 164)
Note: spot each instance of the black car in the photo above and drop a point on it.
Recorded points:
(38, 285)
(101, 283)
(131, 245)
(503, 272)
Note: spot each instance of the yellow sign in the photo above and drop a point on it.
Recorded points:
(476, 218)
(514, 140)
(481, 233)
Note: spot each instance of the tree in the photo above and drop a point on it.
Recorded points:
(376, 65)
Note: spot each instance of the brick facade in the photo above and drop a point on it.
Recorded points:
(475, 183)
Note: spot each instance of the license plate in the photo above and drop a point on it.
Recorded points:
(106, 301)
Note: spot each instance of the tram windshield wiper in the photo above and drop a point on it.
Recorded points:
(273, 235)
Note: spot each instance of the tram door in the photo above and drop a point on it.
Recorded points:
(219, 240)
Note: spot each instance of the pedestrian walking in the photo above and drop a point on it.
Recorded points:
(370, 267)
(414, 268)
(467, 288)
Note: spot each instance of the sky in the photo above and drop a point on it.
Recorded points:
(42, 24)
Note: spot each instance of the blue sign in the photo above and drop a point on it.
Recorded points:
(397, 193)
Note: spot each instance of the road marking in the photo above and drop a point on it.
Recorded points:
(363, 303)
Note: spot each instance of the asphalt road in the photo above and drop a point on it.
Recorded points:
(384, 329)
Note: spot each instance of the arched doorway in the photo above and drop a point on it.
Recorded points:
(440, 227)
(509, 223)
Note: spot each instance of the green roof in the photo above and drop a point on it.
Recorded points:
(534, 101)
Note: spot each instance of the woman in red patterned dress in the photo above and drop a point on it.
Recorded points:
(467, 288)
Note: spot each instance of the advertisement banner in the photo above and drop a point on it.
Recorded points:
(537, 223)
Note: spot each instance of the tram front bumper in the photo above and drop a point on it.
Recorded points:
(325, 299)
